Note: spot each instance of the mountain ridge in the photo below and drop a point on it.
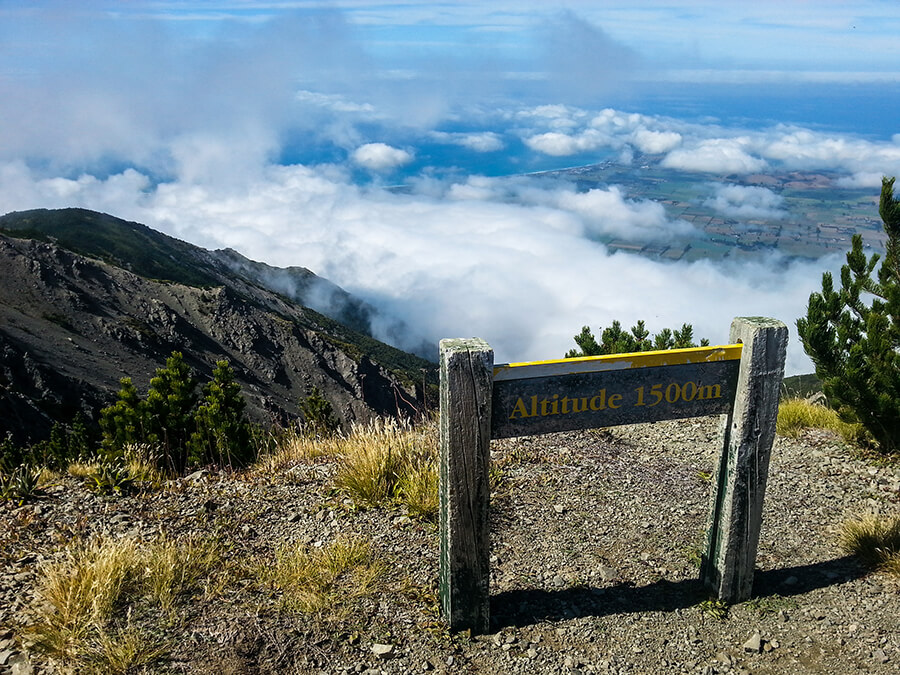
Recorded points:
(71, 326)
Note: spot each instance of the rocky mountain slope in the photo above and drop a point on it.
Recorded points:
(72, 325)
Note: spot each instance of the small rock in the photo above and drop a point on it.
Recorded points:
(4, 657)
(754, 644)
(559, 508)
(607, 573)
(197, 476)
(880, 656)
(20, 665)
(383, 651)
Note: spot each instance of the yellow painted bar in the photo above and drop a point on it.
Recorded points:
(595, 364)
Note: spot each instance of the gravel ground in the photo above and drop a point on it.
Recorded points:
(595, 548)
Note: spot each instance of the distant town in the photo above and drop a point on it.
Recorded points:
(821, 216)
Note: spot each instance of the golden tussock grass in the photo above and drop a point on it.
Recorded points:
(324, 581)
(391, 462)
(82, 594)
(874, 539)
(796, 414)
(385, 462)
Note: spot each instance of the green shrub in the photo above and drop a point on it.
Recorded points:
(171, 400)
(852, 334)
(318, 414)
(21, 484)
(181, 427)
(615, 340)
(223, 436)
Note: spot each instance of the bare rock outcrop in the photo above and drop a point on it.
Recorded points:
(71, 327)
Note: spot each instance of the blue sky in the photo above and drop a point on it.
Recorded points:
(793, 36)
(274, 127)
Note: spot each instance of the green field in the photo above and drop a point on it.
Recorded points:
(820, 215)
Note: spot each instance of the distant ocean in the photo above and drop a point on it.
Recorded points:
(869, 111)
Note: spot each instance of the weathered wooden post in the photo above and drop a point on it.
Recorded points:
(740, 482)
(465, 435)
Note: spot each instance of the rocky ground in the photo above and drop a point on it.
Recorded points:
(595, 545)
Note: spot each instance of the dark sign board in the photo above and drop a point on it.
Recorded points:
(604, 391)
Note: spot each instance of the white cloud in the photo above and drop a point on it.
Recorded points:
(864, 179)
(560, 145)
(655, 142)
(805, 149)
(380, 156)
(718, 155)
(486, 141)
(747, 201)
(509, 263)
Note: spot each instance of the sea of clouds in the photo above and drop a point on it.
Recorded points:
(192, 142)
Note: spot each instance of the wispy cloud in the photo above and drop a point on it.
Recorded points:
(747, 201)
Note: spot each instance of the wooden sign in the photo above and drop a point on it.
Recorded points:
(478, 402)
(604, 391)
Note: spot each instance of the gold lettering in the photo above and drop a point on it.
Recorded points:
(554, 406)
(615, 401)
(533, 406)
(520, 409)
(601, 397)
(709, 391)
(544, 404)
(584, 404)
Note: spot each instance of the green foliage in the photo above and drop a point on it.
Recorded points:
(20, 484)
(852, 334)
(318, 414)
(714, 608)
(615, 340)
(223, 435)
(182, 428)
(64, 446)
(170, 403)
(797, 414)
(110, 478)
(126, 421)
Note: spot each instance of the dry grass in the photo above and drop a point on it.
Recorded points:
(294, 446)
(796, 414)
(173, 568)
(391, 462)
(324, 582)
(82, 594)
(875, 540)
(381, 463)
(140, 469)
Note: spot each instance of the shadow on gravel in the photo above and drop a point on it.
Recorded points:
(526, 607)
(804, 578)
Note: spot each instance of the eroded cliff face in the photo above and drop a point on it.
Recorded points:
(72, 327)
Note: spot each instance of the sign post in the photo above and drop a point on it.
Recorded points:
(740, 481)
(464, 489)
(480, 402)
